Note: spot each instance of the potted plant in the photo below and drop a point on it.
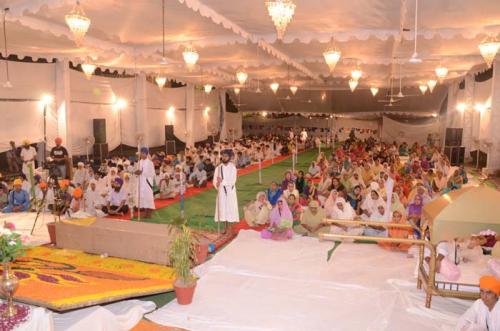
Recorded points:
(11, 247)
(181, 254)
(201, 244)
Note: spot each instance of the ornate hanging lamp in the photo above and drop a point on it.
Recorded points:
(281, 12)
(88, 68)
(353, 84)
(78, 23)
(431, 83)
(274, 86)
(489, 49)
(207, 88)
(191, 57)
(242, 76)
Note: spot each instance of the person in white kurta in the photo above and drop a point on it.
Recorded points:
(484, 314)
(303, 135)
(146, 172)
(28, 155)
(226, 208)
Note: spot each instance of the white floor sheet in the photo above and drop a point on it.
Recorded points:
(256, 284)
(24, 224)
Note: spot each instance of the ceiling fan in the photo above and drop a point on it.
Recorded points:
(400, 94)
(391, 99)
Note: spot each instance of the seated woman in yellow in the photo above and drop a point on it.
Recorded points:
(312, 222)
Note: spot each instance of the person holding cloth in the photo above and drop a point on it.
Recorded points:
(226, 208)
(60, 156)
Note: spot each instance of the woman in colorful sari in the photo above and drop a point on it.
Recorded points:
(300, 182)
(288, 179)
(310, 192)
(295, 208)
(414, 212)
(257, 212)
(280, 224)
(398, 217)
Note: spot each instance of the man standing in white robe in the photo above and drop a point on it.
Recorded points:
(146, 172)
(226, 208)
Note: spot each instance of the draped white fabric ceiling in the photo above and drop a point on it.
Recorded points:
(233, 34)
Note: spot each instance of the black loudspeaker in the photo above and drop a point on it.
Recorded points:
(100, 151)
(169, 132)
(483, 158)
(455, 154)
(99, 130)
(453, 137)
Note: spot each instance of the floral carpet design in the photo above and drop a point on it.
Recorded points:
(62, 279)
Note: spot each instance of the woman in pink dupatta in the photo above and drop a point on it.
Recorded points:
(281, 222)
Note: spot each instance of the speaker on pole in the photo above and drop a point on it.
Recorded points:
(99, 125)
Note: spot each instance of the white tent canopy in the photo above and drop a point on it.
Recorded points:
(374, 34)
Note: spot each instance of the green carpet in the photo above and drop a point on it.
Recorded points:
(200, 209)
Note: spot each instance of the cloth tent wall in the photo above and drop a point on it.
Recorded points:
(480, 128)
(95, 98)
(233, 125)
(22, 110)
(403, 132)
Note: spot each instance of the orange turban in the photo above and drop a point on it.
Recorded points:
(490, 283)
(64, 183)
(43, 185)
(58, 140)
(18, 182)
(77, 193)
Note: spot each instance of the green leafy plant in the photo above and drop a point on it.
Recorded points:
(181, 254)
(11, 246)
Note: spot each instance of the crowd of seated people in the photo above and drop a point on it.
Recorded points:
(362, 180)
(110, 186)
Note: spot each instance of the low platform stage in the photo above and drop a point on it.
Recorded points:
(256, 284)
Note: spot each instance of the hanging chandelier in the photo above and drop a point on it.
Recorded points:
(353, 84)
(441, 72)
(207, 88)
(423, 88)
(160, 81)
(78, 23)
(281, 12)
(237, 90)
(88, 68)
(274, 86)
(241, 76)
(258, 90)
(332, 56)
(431, 83)
(489, 49)
(356, 74)
(374, 90)
(190, 56)
(293, 89)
